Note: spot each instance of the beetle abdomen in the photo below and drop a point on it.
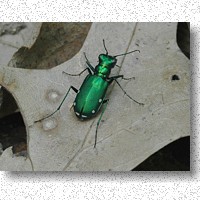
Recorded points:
(90, 97)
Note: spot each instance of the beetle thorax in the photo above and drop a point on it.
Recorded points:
(106, 63)
(103, 71)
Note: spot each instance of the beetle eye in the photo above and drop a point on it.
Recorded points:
(114, 60)
(101, 56)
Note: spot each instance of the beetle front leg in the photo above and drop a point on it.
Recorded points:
(89, 71)
(88, 63)
(71, 87)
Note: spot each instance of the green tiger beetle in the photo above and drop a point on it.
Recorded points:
(91, 95)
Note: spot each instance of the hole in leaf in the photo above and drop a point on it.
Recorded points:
(12, 127)
(173, 157)
(183, 37)
(175, 77)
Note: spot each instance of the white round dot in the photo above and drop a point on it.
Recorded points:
(100, 100)
(53, 96)
(74, 103)
(93, 111)
(49, 124)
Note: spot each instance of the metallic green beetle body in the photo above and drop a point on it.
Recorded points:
(90, 97)
(91, 94)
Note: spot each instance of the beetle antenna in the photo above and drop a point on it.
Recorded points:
(105, 47)
(126, 53)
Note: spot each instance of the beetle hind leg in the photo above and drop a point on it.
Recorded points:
(99, 120)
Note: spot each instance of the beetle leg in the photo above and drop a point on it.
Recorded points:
(99, 120)
(71, 87)
(127, 94)
(121, 76)
(114, 78)
(79, 73)
(88, 63)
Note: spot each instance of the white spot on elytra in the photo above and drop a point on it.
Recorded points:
(74, 103)
(100, 100)
(77, 113)
(84, 116)
(93, 111)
